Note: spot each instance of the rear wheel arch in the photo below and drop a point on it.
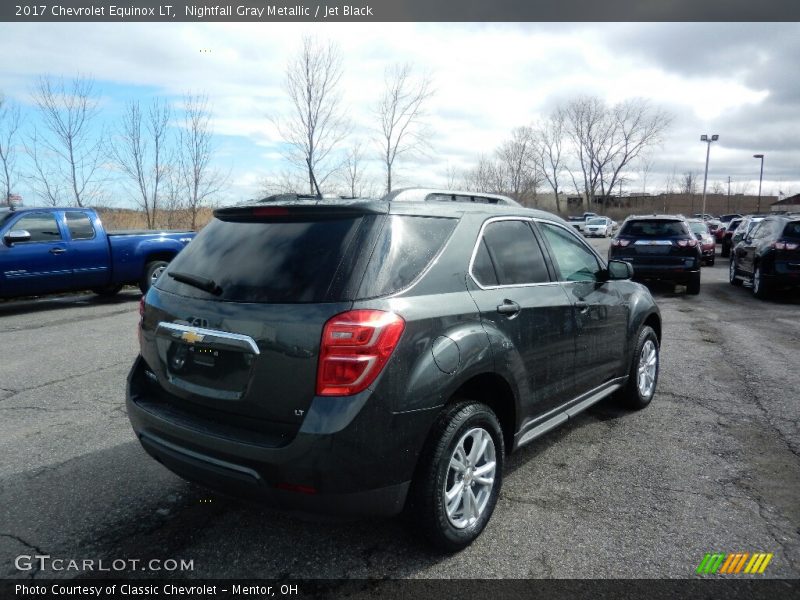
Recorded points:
(494, 391)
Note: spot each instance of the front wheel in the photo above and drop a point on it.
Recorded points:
(732, 274)
(643, 375)
(152, 271)
(760, 290)
(693, 285)
(458, 480)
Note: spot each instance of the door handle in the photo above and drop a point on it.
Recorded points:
(508, 307)
(582, 307)
(57, 250)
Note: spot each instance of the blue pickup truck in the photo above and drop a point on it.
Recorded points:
(49, 250)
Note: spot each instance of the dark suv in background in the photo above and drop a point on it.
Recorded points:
(367, 356)
(660, 247)
(769, 255)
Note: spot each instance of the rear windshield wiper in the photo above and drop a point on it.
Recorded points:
(207, 285)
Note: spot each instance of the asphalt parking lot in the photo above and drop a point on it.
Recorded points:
(713, 465)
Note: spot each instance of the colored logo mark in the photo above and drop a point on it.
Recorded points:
(734, 563)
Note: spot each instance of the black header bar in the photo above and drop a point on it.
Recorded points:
(353, 11)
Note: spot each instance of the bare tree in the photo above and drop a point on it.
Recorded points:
(717, 187)
(452, 177)
(688, 183)
(195, 147)
(517, 158)
(549, 142)
(401, 112)
(284, 182)
(73, 145)
(172, 203)
(353, 170)
(318, 122)
(141, 152)
(9, 127)
(47, 182)
(606, 140)
(645, 167)
(487, 176)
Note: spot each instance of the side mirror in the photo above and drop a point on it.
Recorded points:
(18, 235)
(619, 269)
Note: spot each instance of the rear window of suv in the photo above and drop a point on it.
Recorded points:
(288, 262)
(655, 228)
(792, 230)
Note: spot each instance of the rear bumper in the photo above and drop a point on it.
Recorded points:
(668, 271)
(350, 457)
(784, 274)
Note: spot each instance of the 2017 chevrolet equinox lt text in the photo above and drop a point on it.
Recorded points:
(371, 356)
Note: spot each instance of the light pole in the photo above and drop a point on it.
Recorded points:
(707, 139)
(760, 177)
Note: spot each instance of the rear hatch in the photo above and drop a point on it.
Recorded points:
(787, 248)
(662, 242)
(233, 326)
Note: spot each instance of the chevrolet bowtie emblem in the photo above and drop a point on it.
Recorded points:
(191, 337)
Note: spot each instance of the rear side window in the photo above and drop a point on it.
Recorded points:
(41, 226)
(510, 250)
(792, 230)
(405, 247)
(657, 228)
(275, 262)
(80, 226)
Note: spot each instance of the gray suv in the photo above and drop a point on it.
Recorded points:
(375, 356)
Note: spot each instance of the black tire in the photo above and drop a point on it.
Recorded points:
(150, 270)
(426, 507)
(760, 287)
(108, 291)
(693, 285)
(631, 396)
(732, 274)
(710, 262)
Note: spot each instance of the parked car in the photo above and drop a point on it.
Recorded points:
(703, 217)
(599, 227)
(708, 247)
(660, 247)
(744, 228)
(727, 236)
(768, 256)
(51, 250)
(427, 334)
(579, 223)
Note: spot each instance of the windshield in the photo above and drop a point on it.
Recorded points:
(698, 227)
(596, 222)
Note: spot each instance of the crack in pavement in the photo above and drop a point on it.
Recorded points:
(34, 547)
(68, 320)
(63, 379)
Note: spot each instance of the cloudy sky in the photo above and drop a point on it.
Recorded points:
(735, 80)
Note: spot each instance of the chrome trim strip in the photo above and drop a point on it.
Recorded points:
(572, 410)
(238, 338)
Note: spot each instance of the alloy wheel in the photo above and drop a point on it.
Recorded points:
(470, 478)
(646, 371)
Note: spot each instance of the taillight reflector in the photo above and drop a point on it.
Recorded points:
(355, 347)
(785, 245)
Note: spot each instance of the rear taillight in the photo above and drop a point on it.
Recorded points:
(781, 245)
(687, 243)
(618, 242)
(356, 345)
(141, 308)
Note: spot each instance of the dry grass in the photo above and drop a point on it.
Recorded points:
(115, 219)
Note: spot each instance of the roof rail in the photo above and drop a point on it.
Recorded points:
(418, 194)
